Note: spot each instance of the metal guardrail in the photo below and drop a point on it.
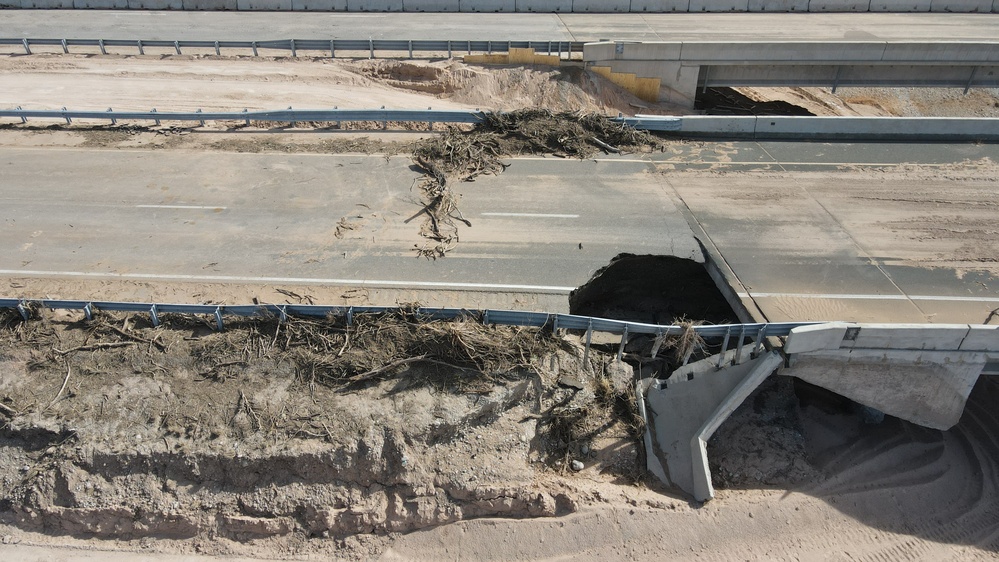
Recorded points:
(735, 334)
(296, 115)
(331, 46)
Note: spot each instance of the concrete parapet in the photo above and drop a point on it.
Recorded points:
(684, 414)
(155, 5)
(430, 5)
(660, 6)
(584, 6)
(879, 128)
(706, 51)
(900, 5)
(815, 338)
(962, 6)
(981, 338)
(652, 51)
(544, 6)
(599, 51)
(949, 52)
(839, 6)
(718, 6)
(503, 6)
(710, 125)
(929, 388)
(778, 5)
(944, 337)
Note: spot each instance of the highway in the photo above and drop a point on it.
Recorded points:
(807, 231)
(248, 26)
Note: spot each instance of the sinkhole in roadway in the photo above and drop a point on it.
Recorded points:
(654, 289)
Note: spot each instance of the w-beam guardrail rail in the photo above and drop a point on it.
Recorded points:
(732, 334)
(293, 46)
(652, 123)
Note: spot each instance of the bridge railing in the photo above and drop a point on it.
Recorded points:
(731, 334)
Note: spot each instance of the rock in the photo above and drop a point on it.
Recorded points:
(576, 465)
(571, 382)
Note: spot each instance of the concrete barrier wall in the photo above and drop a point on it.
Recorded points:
(601, 6)
(718, 6)
(430, 5)
(831, 128)
(487, 5)
(778, 5)
(839, 6)
(963, 6)
(537, 6)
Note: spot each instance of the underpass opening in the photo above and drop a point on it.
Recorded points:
(730, 101)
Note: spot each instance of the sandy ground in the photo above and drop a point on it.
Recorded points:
(798, 478)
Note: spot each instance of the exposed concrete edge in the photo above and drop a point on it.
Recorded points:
(814, 338)
(703, 490)
(652, 462)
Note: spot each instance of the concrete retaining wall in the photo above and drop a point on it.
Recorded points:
(537, 6)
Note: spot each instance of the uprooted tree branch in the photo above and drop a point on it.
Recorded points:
(460, 156)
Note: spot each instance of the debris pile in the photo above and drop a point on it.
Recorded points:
(460, 156)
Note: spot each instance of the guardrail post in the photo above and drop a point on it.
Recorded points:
(549, 48)
(724, 348)
(448, 48)
(624, 340)
(100, 43)
(839, 69)
(371, 48)
(485, 318)
(283, 316)
(154, 316)
(156, 119)
(586, 348)
(469, 47)
(555, 324)
(758, 348)
(707, 70)
(23, 119)
(384, 121)
(113, 120)
(738, 348)
(410, 48)
(202, 122)
(27, 49)
(293, 123)
(338, 123)
(66, 117)
(247, 120)
(560, 50)
(138, 42)
(332, 49)
(65, 47)
(25, 314)
(88, 312)
(217, 50)
(430, 124)
(254, 46)
(350, 315)
(176, 45)
(218, 318)
(294, 52)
